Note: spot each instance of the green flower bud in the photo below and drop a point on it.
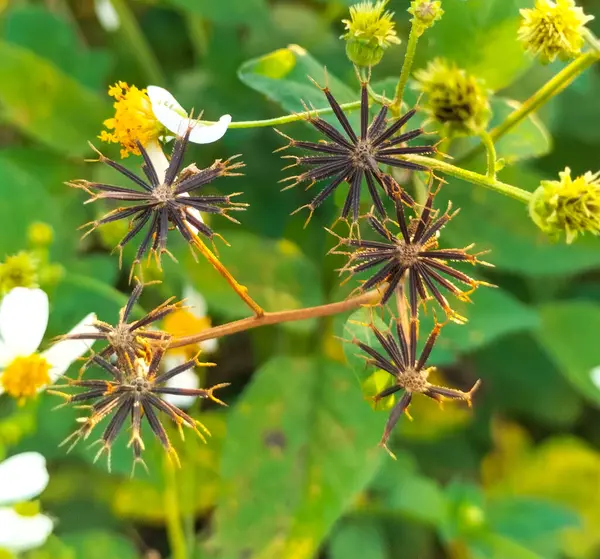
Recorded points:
(369, 31)
(553, 29)
(425, 13)
(454, 98)
(40, 234)
(569, 206)
(19, 270)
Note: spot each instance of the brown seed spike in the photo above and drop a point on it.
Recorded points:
(348, 156)
(158, 204)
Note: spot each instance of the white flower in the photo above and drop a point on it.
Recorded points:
(595, 376)
(197, 310)
(23, 320)
(186, 380)
(22, 477)
(174, 118)
(107, 15)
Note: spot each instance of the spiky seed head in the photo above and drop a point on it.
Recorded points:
(369, 32)
(425, 13)
(454, 98)
(569, 206)
(553, 29)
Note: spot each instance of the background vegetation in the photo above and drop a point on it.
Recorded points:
(293, 469)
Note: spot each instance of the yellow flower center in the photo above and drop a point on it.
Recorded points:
(183, 323)
(134, 120)
(24, 376)
(28, 508)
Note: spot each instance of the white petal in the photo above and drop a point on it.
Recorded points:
(158, 158)
(174, 118)
(209, 346)
(187, 379)
(595, 376)
(208, 133)
(22, 477)
(23, 320)
(62, 354)
(107, 15)
(20, 533)
(195, 301)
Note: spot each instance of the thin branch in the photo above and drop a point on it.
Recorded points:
(369, 298)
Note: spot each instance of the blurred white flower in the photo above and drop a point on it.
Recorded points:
(184, 322)
(22, 477)
(174, 118)
(23, 321)
(107, 15)
(595, 376)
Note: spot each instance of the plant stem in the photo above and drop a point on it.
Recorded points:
(551, 88)
(241, 290)
(286, 119)
(268, 318)
(175, 532)
(409, 57)
(470, 176)
(491, 153)
(139, 45)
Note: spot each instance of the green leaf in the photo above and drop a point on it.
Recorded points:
(278, 276)
(282, 76)
(569, 334)
(52, 37)
(358, 539)
(535, 524)
(524, 380)
(502, 225)
(95, 544)
(480, 36)
(46, 104)
(307, 443)
(421, 499)
(228, 12)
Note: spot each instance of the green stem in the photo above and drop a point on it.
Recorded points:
(551, 88)
(139, 45)
(591, 39)
(470, 176)
(175, 531)
(491, 153)
(411, 48)
(286, 119)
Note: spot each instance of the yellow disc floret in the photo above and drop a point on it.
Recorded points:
(184, 323)
(25, 376)
(553, 29)
(18, 270)
(134, 120)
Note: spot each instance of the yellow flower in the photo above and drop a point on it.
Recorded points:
(425, 13)
(553, 29)
(134, 120)
(19, 270)
(569, 206)
(453, 97)
(369, 31)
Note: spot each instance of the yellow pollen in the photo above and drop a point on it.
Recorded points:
(24, 376)
(183, 323)
(134, 120)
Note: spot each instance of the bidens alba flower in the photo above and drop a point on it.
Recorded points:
(145, 116)
(185, 321)
(23, 320)
(22, 477)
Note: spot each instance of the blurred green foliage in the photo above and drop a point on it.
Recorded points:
(293, 469)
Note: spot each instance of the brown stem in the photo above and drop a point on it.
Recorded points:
(369, 298)
(241, 290)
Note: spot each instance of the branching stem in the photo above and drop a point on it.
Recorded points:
(488, 142)
(268, 318)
